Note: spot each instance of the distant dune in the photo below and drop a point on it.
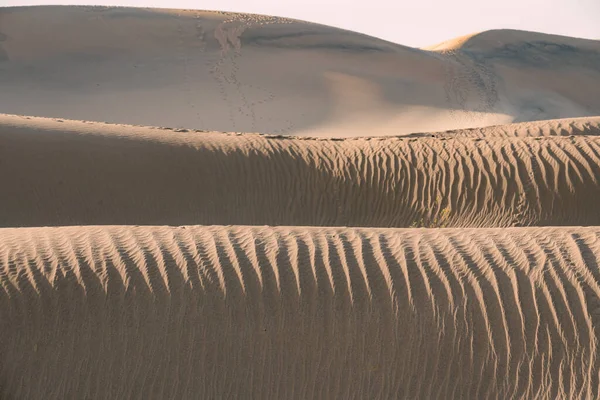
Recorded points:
(509, 40)
(60, 172)
(250, 73)
(299, 313)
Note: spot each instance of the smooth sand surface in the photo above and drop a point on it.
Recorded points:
(250, 73)
(60, 172)
(307, 313)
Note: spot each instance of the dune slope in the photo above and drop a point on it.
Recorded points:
(213, 312)
(58, 172)
(250, 73)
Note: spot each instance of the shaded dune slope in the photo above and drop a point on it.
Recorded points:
(75, 173)
(254, 73)
(207, 312)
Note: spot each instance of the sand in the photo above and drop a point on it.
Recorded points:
(589, 126)
(60, 172)
(214, 205)
(249, 73)
(259, 312)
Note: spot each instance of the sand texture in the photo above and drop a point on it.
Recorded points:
(257, 312)
(251, 73)
(210, 205)
(58, 172)
(589, 126)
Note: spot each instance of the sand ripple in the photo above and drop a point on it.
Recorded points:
(59, 172)
(212, 312)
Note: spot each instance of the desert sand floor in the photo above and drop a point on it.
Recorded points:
(252, 73)
(177, 188)
(262, 312)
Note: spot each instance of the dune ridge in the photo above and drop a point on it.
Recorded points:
(159, 312)
(503, 38)
(588, 126)
(58, 172)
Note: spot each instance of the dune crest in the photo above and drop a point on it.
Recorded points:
(498, 38)
(589, 126)
(159, 312)
(250, 73)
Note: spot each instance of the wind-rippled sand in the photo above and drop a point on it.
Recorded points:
(243, 239)
(61, 172)
(261, 312)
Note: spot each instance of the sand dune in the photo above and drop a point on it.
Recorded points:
(58, 172)
(214, 312)
(235, 119)
(509, 39)
(250, 73)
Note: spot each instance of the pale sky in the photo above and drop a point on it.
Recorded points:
(413, 23)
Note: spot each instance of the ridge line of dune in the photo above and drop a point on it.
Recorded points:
(586, 126)
(583, 126)
(504, 37)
